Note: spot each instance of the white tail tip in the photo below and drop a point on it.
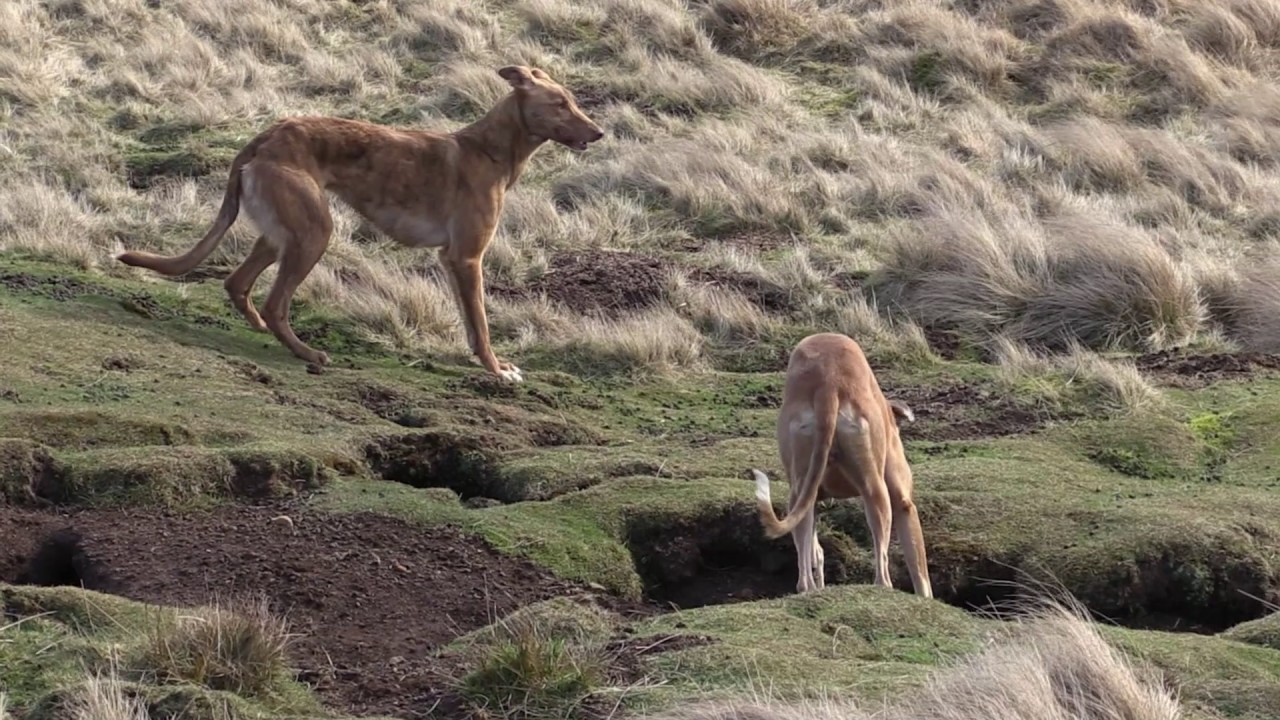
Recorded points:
(762, 486)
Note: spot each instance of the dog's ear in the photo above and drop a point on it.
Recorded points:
(518, 76)
(539, 74)
(902, 411)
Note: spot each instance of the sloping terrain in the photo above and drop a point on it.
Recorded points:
(173, 442)
(1051, 223)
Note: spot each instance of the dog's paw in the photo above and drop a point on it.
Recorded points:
(510, 373)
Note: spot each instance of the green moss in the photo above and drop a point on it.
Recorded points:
(1264, 631)
(61, 635)
(170, 149)
(1148, 446)
(89, 429)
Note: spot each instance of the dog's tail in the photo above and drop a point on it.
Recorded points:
(803, 498)
(179, 264)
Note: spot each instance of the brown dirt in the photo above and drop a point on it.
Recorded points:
(370, 596)
(758, 239)
(600, 282)
(1193, 371)
(612, 284)
(945, 344)
(54, 288)
(962, 412)
(762, 293)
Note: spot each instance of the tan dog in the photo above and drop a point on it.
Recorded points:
(838, 438)
(421, 188)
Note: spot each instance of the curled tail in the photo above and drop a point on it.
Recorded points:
(804, 497)
(179, 264)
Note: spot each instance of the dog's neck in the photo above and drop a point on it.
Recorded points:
(504, 137)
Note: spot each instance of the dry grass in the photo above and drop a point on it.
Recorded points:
(103, 697)
(1090, 173)
(524, 671)
(238, 648)
(1052, 666)
(1059, 380)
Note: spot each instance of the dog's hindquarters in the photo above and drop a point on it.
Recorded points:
(179, 264)
(816, 434)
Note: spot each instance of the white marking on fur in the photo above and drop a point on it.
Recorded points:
(804, 423)
(261, 213)
(762, 487)
(513, 375)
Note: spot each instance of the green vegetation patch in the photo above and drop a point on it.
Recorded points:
(55, 638)
(174, 150)
(1264, 631)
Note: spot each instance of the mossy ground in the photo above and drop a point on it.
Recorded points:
(1161, 516)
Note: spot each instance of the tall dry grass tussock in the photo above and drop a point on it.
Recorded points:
(103, 697)
(1066, 280)
(240, 648)
(1063, 380)
(1052, 666)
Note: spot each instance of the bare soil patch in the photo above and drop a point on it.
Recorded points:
(601, 282)
(54, 288)
(762, 293)
(758, 239)
(722, 557)
(372, 597)
(1192, 371)
(963, 412)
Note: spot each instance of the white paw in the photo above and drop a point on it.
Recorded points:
(762, 486)
(511, 374)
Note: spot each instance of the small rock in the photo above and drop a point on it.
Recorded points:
(284, 521)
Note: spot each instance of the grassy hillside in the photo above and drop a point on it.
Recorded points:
(1051, 224)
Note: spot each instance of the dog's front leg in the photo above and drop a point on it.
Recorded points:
(466, 279)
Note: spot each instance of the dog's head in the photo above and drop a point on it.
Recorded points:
(550, 110)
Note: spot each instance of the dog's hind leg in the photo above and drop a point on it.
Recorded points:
(803, 537)
(239, 284)
(819, 560)
(907, 522)
(858, 449)
(302, 213)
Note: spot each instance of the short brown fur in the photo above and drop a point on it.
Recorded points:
(421, 188)
(838, 438)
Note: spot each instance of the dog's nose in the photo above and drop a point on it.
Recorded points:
(597, 135)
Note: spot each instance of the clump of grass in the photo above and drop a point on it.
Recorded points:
(758, 28)
(102, 697)
(529, 672)
(239, 648)
(658, 341)
(1068, 281)
(1077, 376)
(900, 342)
(722, 314)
